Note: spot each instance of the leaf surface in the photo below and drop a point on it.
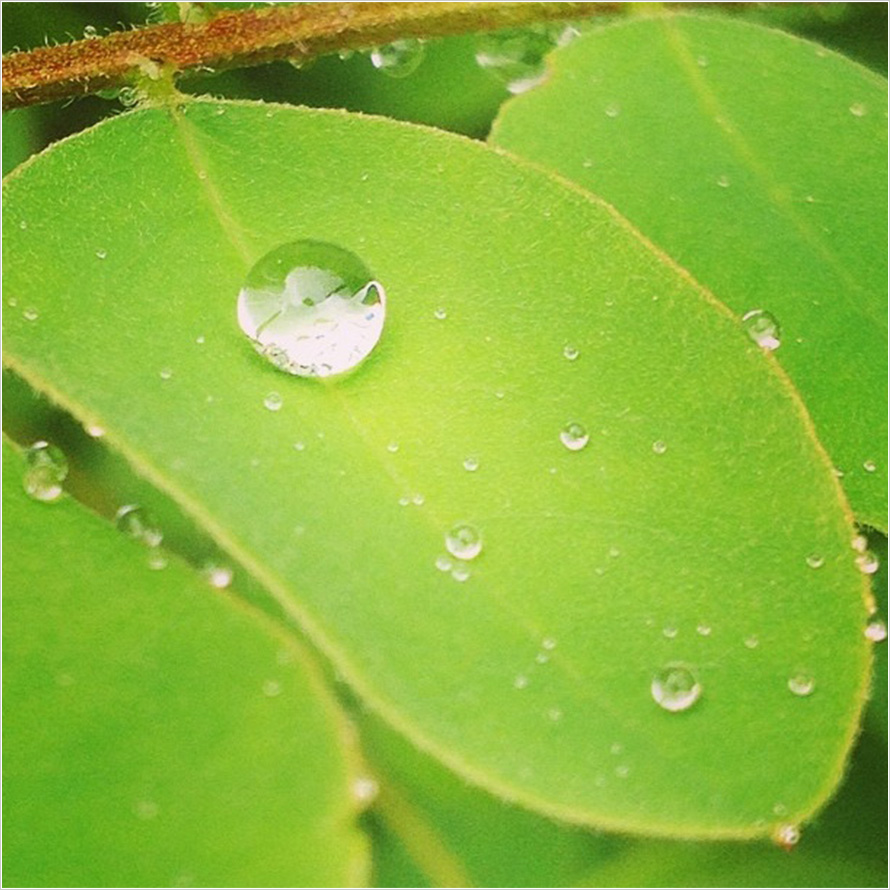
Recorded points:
(156, 734)
(759, 162)
(532, 677)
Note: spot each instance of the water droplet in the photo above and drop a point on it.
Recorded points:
(859, 543)
(392, 447)
(146, 809)
(622, 771)
(869, 466)
(271, 688)
(554, 714)
(45, 470)
(441, 314)
(616, 748)
(868, 563)
(542, 658)
(157, 561)
(587, 163)
(858, 109)
(443, 563)
(659, 447)
(786, 835)
(135, 521)
(570, 352)
(548, 643)
(30, 314)
(312, 309)
(499, 393)
(23, 225)
(762, 328)
(675, 688)
(613, 110)
(399, 58)
(404, 501)
(515, 57)
(703, 630)
(90, 32)
(12, 302)
(464, 541)
(801, 684)
(702, 61)
(876, 631)
(471, 464)
(520, 682)
(461, 572)
(614, 553)
(574, 436)
(723, 181)
(94, 431)
(751, 642)
(364, 790)
(780, 809)
(815, 561)
(218, 576)
(417, 500)
(101, 253)
(670, 632)
(273, 401)
(200, 340)
(299, 446)
(165, 373)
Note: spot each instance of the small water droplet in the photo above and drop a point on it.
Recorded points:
(94, 431)
(441, 314)
(659, 447)
(622, 771)
(703, 630)
(364, 790)
(30, 314)
(670, 632)
(146, 809)
(869, 466)
(858, 109)
(463, 541)
(165, 373)
(157, 561)
(702, 61)
(271, 688)
(786, 835)
(45, 470)
(218, 576)
(392, 447)
(542, 658)
(723, 181)
(868, 563)
(12, 302)
(876, 631)
(762, 328)
(570, 352)
(200, 340)
(859, 543)
(471, 464)
(135, 522)
(520, 681)
(801, 684)
(23, 225)
(404, 501)
(675, 688)
(312, 309)
(587, 163)
(499, 393)
(614, 553)
(548, 643)
(780, 809)
(515, 57)
(417, 499)
(554, 714)
(751, 642)
(273, 401)
(90, 32)
(574, 436)
(101, 253)
(443, 563)
(815, 561)
(460, 572)
(613, 110)
(299, 446)
(616, 748)
(399, 58)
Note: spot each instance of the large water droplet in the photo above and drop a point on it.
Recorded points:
(398, 59)
(574, 436)
(45, 470)
(876, 631)
(786, 835)
(515, 57)
(136, 522)
(868, 563)
(464, 541)
(763, 329)
(801, 683)
(675, 687)
(312, 309)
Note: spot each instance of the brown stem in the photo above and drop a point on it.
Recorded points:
(252, 37)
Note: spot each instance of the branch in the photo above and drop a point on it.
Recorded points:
(296, 32)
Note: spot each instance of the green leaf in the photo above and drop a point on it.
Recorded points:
(156, 733)
(759, 162)
(138, 236)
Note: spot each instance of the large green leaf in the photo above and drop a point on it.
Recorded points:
(155, 733)
(130, 242)
(759, 162)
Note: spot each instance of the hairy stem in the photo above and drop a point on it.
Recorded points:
(232, 39)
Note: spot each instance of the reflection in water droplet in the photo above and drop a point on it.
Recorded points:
(218, 576)
(801, 684)
(762, 328)
(659, 447)
(570, 352)
(399, 58)
(471, 464)
(273, 401)
(876, 631)
(463, 541)
(868, 563)
(815, 561)
(574, 436)
(515, 57)
(312, 309)
(858, 109)
(675, 687)
(135, 522)
(45, 470)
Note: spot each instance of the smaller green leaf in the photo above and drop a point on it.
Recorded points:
(157, 734)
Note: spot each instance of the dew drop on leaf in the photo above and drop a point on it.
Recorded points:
(723, 181)
(876, 631)
(471, 464)
(857, 109)
(45, 469)
(461, 572)
(312, 309)
(398, 59)
(868, 563)
(801, 684)
(135, 522)
(570, 352)
(515, 57)
(815, 561)
(443, 563)
(364, 790)
(659, 447)
(762, 328)
(464, 541)
(273, 401)
(574, 436)
(675, 688)
(30, 314)
(786, 835)
(218, 576)
(869, 466)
